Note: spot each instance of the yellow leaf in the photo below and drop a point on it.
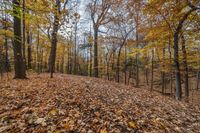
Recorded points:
(53, 112)
(158, 122)
(56, 131)
(66, 126)
(132, 124)
(103, 130)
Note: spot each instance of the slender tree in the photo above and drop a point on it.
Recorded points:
(99, 11)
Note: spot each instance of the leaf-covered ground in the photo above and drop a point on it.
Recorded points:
(80, 104)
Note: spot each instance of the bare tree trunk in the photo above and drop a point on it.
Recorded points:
(20, 71)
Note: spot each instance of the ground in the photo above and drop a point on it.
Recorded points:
(69, 103)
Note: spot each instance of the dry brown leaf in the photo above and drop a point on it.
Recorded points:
(97, 114)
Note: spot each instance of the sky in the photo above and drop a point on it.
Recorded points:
(85, 19)
(82, 7)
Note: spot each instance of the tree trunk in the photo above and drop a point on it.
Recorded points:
(118, 64)
(185, 65)
(177, 67)
(176, 54)
(198, 79)
(107, 70)
(146, 69)
(62, 64)
(147, 76)
(107, 66)
(29, 50)
(75, 51)
(163, 72)
(90, 61)
(125, 70)
(7, 64)
(170, 58)
(52, 57)
(96, 69)
(24, 34)
(58, 66)
(1, 61)
(41, 61)
(113, 64)
(136, 58)
(70, 61)
(152, 69)
(19, 65)
(68, 58)
(62, 61)
(37, 52)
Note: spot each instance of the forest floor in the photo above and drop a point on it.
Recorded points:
(69, 103)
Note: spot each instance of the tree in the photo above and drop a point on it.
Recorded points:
(99, 14)
(58, 13)
(135, 12)
(173, 20)
(19, 64)
(176, 49)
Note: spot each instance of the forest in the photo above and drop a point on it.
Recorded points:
(102, 66)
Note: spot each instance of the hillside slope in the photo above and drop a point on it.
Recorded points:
(80, 104)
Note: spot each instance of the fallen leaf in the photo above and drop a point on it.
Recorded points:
(53, 112)
(132, 124)
(41, 121)
(97, 114)
(103, 130)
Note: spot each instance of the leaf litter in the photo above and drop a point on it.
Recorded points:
(78, 104)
